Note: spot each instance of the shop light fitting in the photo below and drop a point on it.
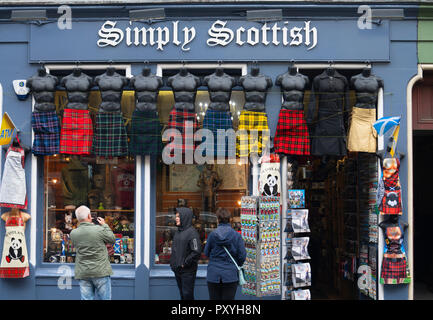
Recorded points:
(387, 13)
(25, 15)
(147, 14)
(265, 15)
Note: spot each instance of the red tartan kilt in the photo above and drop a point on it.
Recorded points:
(77, 132)
(386, 209)
(292, 135)
(393, 269)
(181, 120)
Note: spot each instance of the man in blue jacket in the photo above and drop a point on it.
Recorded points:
(185, 253)
(222, 274)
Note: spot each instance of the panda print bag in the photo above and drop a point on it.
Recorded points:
(270, 180)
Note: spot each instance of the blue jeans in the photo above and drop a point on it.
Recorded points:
(99, 287)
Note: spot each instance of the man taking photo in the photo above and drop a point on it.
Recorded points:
(92, 265)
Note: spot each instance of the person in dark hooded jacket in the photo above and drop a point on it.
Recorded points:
(222, 274)
(185, 253)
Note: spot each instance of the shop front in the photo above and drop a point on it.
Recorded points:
(135, 178)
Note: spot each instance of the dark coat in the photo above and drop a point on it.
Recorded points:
(221, 267)
(186, 248)
(329, 129)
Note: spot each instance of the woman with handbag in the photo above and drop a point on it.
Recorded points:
(226, 251)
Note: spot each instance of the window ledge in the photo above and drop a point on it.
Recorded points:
(55, 271)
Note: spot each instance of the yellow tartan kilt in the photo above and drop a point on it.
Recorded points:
(252, 125)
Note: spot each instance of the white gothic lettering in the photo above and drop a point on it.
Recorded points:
(220, 34)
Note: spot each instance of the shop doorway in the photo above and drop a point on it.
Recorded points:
(340, 196)
(423, 219)
(422, 109)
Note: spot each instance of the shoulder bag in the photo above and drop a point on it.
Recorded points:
(240, 269)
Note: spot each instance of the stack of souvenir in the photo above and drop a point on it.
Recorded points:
(260, 223)
(296, 270)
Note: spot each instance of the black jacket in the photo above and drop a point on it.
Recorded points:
(186, 248)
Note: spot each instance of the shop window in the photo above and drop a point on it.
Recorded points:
(183, 184)
(106, 186)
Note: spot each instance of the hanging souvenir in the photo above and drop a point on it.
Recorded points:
(13, 192)
(15, 260)
(395, 269)
(270, 180)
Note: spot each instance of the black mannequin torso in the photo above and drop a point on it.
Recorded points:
(184, 86)
(146, 87)
(111, 86)
(366, 86)
(293, 85)
(77, 86)
(220, 87)
(43, 86)
(255, 87)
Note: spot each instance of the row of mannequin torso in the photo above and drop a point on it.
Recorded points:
(184, 85)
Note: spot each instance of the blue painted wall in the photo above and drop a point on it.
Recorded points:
(16, 44)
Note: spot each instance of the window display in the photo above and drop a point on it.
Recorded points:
(107, 189)
(202, 188)
(77, 176)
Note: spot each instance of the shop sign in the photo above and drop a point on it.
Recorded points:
(219, 34)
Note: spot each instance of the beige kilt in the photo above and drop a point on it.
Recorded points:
(362, 137)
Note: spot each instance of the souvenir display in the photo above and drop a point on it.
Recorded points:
(295, 247)
(260, 229)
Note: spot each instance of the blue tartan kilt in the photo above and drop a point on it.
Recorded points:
(214, 120)
(46, 127)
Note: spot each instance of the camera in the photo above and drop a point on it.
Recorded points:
(94, 216)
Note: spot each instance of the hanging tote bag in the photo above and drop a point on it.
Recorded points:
(240, 269)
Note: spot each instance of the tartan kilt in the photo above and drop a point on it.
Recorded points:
(145, 133)
(394, 270)
(250, 121)
(14, 273)
(77, 132)
(214, 120)
(183, 121)
(292, 135)
(46, 127)
(385, 208)
(110, 139)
